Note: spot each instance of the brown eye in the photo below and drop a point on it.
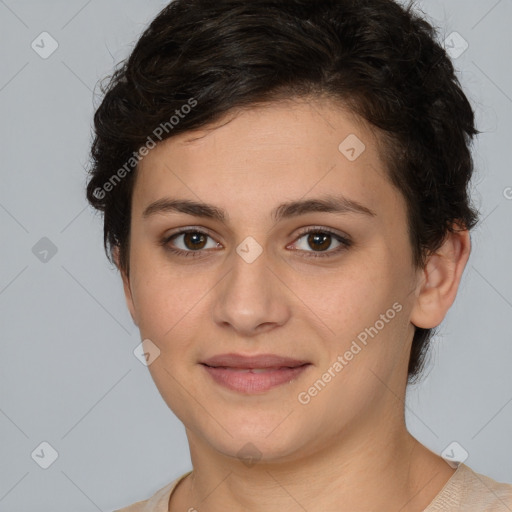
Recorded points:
(320, 241)
(194, 240)
(191, 242)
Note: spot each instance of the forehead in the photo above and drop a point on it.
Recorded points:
(255, 158)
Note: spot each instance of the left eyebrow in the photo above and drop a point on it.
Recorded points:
(328, 204)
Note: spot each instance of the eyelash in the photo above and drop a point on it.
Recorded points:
(345, 243)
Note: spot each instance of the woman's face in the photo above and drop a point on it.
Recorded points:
(274, 279)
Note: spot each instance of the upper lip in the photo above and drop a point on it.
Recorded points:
(257, 361)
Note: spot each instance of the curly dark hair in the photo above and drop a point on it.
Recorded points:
(198, 59)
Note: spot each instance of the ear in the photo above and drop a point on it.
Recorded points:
(440, 280)
(126, 285)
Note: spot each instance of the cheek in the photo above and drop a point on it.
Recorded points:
(344, 298)
(169, 304)
(364, 309)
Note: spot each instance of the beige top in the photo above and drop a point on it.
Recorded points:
(465, 491)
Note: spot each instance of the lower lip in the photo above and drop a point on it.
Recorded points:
(248, 382)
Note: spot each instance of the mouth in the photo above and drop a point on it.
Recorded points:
(253, 374)
(255, 370)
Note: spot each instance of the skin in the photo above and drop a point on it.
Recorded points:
(348, 449)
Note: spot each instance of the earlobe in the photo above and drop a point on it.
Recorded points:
(126, 286)
(440, 280)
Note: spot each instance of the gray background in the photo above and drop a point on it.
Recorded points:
(68, 375)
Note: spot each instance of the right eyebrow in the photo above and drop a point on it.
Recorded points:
(168, 205)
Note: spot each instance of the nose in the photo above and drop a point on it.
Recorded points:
(251, 299)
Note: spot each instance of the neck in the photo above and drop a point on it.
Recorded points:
(354, 471)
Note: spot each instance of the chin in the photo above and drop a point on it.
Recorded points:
(256, 441)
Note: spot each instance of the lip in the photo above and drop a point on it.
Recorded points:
(253, 374)
(257, 361)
